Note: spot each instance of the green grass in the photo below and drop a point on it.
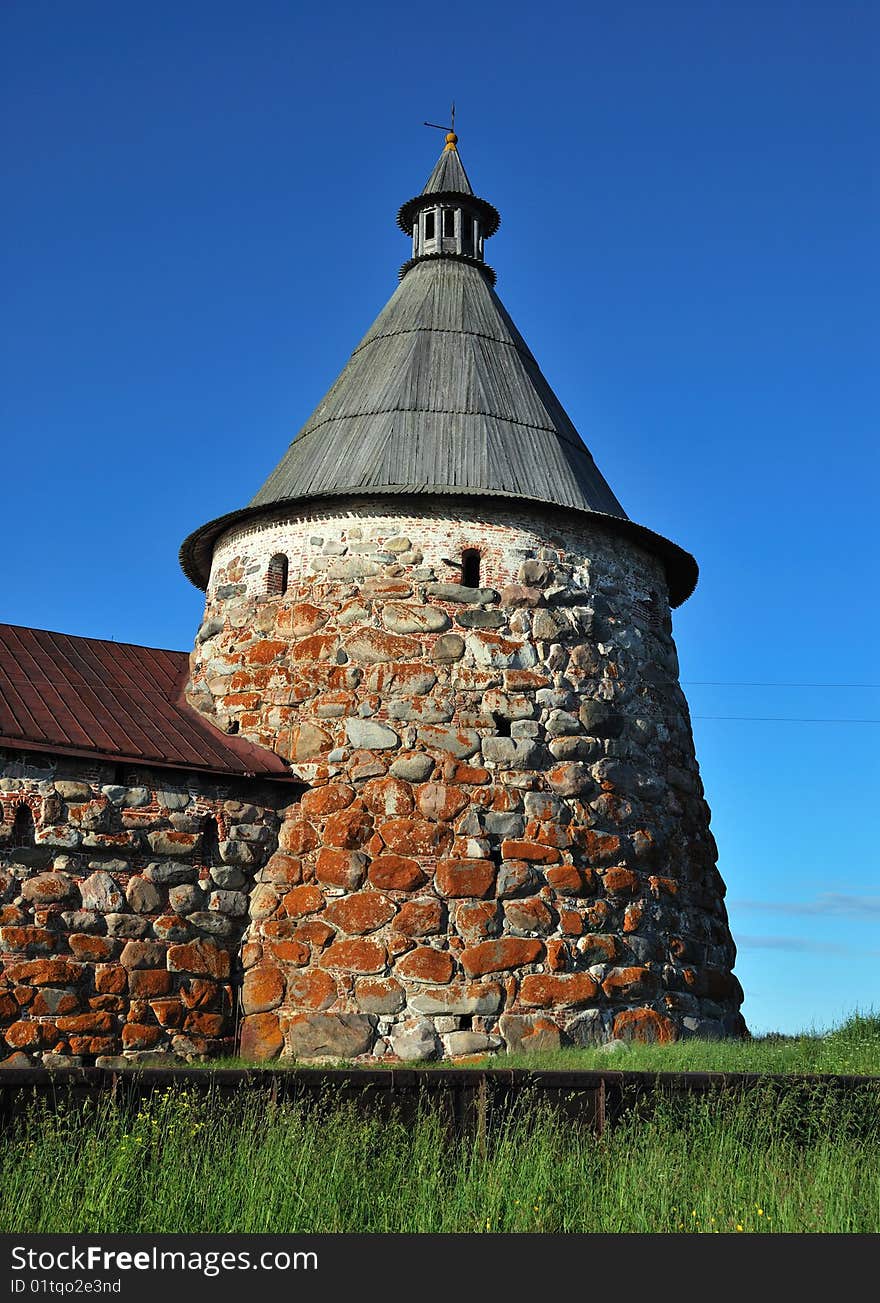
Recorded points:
(852, 1048)
(185, 1160)
(184, 1163)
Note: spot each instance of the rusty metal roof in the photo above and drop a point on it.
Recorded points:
(113, 701)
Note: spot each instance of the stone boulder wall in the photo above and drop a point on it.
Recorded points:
(505, 841)
(117, 936)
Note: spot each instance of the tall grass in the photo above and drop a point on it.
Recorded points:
(184, 1162)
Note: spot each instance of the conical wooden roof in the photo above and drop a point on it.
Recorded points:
(442, 397)
(448, 176)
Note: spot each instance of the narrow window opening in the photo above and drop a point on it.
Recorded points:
(650, 610)
(448, 221)
(276, 576)
(23, 832)
(209, 849)
(470, 568)
(467, 235)
(429, 226)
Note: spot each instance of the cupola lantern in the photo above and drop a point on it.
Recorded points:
(447, 220)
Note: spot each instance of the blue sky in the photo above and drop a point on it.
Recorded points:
(198, 212)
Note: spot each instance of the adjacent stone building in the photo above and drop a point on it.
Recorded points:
(473, 818)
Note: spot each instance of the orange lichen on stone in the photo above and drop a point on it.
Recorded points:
(365, 911)
(464, 878)
(425, 964)
(570, 990)
(498, 956)
(644, 1025)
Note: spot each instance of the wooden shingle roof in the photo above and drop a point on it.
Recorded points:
(442, 397)
(113, 701)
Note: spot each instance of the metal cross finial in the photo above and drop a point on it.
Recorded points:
(451, 126)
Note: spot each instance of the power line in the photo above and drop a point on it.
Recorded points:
(786, 719)
(721, 683)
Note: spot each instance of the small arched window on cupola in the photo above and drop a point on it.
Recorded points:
(276, 576)
(23, 831)
(470, 567)
(209, 843)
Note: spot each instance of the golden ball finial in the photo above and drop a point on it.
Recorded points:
(451, 140)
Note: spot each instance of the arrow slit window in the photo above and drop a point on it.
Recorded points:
(470, 568)
(276, 576)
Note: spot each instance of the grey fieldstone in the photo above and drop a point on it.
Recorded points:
(101, 892)
(546, 806)
(511, 752)
(534, 574)
(467, 1042)
(515, 878)
(209, 629)
(481, 619)
(142, 896)
(142, 954)
(414, 1040)
(575, 748)
(414, 768)
(239, 853)
(560, 723)
(163, 842)
(229, 902)
(501, 656)
(86, 920)
(424, 710)
(600, 720)
(330, 1035)
(459, 742)
(169, 799)
(550, 626)
(592, 1027)
(186, 898)
(72, 791)
(401, 617)
(460, 593)
(350, 567)
(455, 1000)
(227, 877)
(499, 824)
(370, 735)
(213, 922)
(47, 888)
(521, 1036)
(165, 873)
(449, 647)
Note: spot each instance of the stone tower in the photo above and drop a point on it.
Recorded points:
(436, 610)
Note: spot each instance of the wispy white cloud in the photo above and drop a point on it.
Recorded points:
(802, 945)
(830, 904)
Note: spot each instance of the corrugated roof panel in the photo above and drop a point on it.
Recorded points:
(85, 696)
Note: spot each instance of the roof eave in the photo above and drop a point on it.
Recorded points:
(144, 762)
(488, 213)
(682, 571)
